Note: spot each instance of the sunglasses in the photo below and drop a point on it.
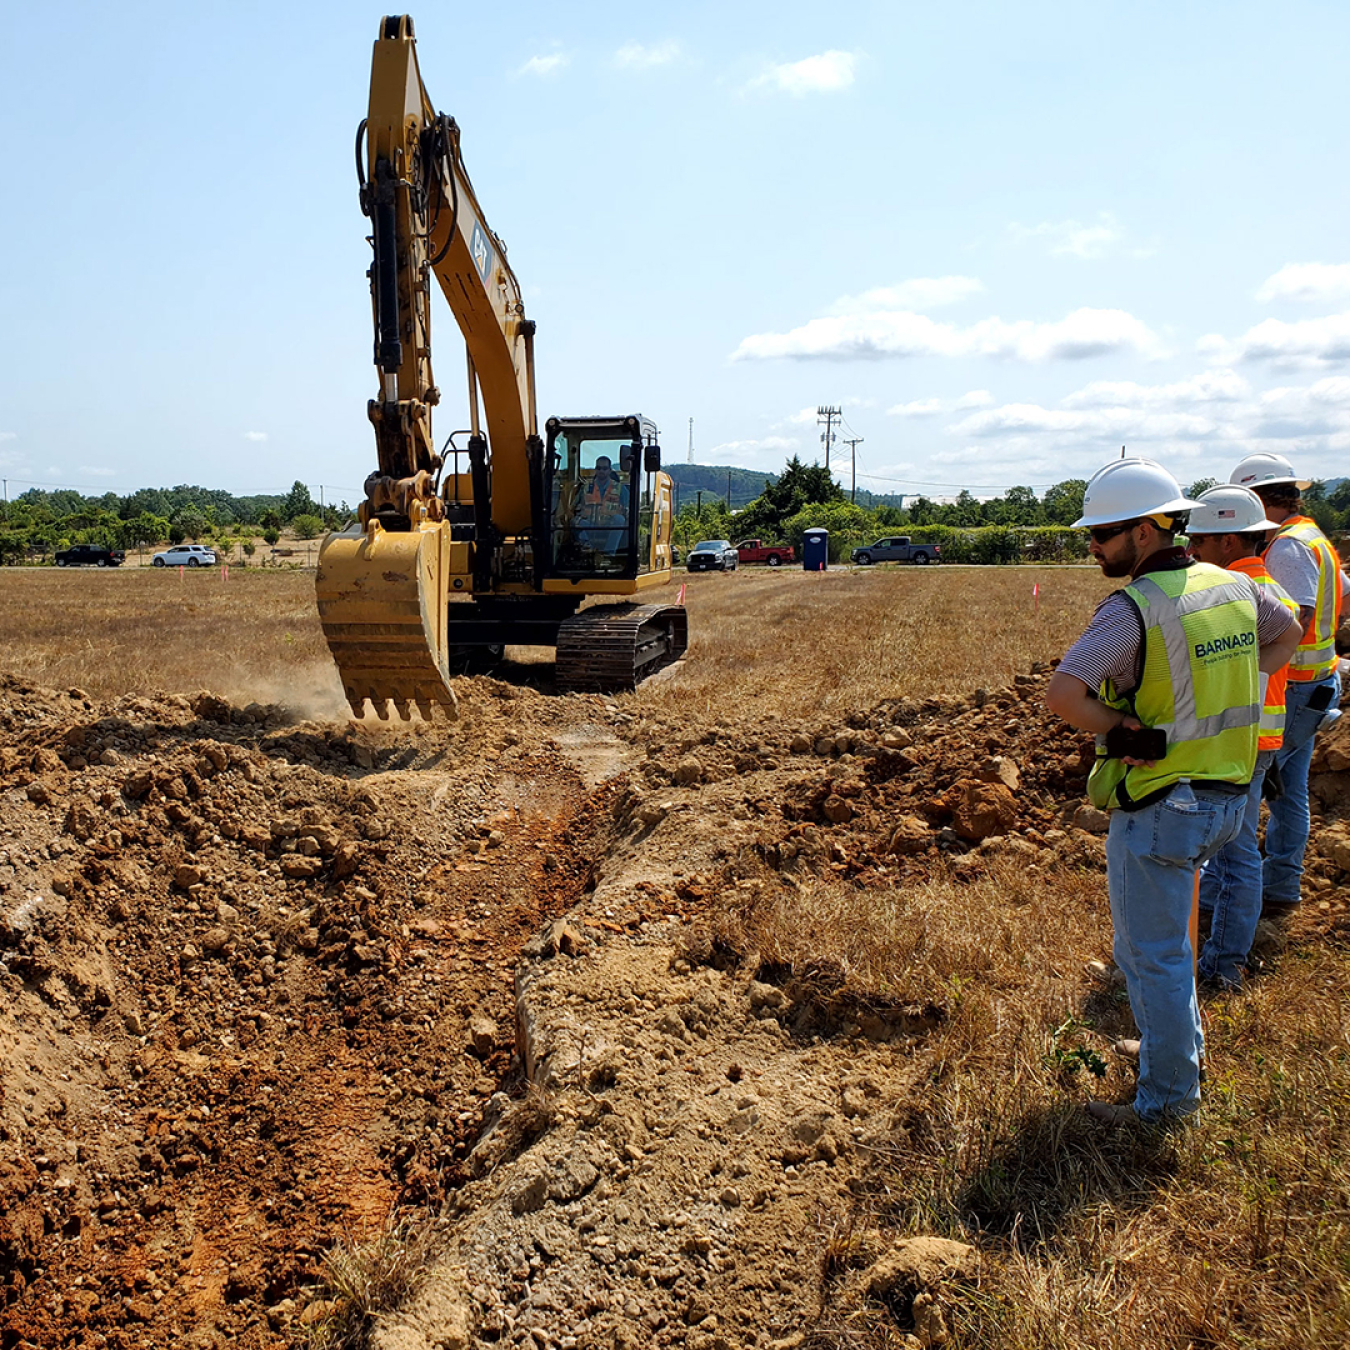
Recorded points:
(1102, 534)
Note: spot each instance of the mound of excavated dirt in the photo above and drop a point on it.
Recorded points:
(266, 980)
(698, 1118)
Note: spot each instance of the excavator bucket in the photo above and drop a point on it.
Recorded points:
(382, 602)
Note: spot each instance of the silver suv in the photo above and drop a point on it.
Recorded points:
(186, 555)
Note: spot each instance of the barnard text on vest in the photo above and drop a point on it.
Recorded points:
(1222, 647)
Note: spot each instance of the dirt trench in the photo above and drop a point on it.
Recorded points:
(258, 989)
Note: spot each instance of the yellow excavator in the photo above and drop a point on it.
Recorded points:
(458, 552)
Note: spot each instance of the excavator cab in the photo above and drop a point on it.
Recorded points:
(599, 479)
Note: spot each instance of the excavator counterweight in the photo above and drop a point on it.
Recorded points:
(460, 551)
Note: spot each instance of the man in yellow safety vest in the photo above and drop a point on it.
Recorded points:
(1166, 676)
(1302, 560)
(1228, 529)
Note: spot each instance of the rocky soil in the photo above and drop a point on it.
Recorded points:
(267, 982)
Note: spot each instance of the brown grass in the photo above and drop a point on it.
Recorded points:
(794, 644)
(1234, 1231)
(253, 637)
(784, 643)
(361, 1280)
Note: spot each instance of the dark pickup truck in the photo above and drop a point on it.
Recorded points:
(897, 549)
(90, 555)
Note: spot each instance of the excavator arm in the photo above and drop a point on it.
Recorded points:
(426, 221)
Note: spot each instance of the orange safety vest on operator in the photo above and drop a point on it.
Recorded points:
(1315, 658)
(601, 505)
(1272, 705)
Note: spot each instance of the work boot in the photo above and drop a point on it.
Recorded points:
(1110, 1114)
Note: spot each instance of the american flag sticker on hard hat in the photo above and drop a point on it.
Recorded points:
(1228, 514)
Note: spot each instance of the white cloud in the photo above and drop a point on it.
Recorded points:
(636, 56)
(96, 472)
(874, 336)
(977, 398)
(919, 293)
(1075, 238)
(1098, 424)
(1302, 344)
(1210, 386)
(1198, 426)
(8, 435)
(255, 435)
(823, 74)
(1307, 281)
(732, 450)
(544, 65)
(921, 407)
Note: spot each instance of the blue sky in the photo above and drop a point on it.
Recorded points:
(1004, 239)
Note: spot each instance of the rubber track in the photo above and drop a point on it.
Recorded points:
(609, 649)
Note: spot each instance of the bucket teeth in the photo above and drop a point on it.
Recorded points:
(382, 603)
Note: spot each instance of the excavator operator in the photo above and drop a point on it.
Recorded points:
(602, 512)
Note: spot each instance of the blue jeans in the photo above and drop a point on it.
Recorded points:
(1287, 829)
(1152, 856)
(1230, 888)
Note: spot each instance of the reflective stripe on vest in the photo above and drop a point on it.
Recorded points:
(1272, 705)
(1198, 683)
(1315, 658)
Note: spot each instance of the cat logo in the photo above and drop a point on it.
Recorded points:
(480, 252)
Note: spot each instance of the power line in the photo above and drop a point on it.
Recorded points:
(829, 414)
(853, 443)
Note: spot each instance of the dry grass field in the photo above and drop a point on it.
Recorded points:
(1234, 1232)
(788, 642)
(253, 637)
(794, 643)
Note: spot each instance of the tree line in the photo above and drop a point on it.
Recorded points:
(1018, 525)
(38, 522)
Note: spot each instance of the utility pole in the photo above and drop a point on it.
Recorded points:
(853, 446)
(828, 415)
(728, 489)
(691, 441)
(698, 501)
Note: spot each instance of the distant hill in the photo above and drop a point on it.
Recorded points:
(745, 485)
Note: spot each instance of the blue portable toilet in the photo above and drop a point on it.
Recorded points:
(815, 550)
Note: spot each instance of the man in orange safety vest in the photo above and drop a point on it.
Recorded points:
(1228, 529)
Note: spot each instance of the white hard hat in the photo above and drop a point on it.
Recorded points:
(1229, 510)
(1129, 489)
(1266, 470)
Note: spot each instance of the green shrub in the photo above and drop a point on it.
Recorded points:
(307, 526)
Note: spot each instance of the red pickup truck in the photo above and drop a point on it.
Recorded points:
(752, 551)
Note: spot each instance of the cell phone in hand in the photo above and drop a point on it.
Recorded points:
(1124, 742)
